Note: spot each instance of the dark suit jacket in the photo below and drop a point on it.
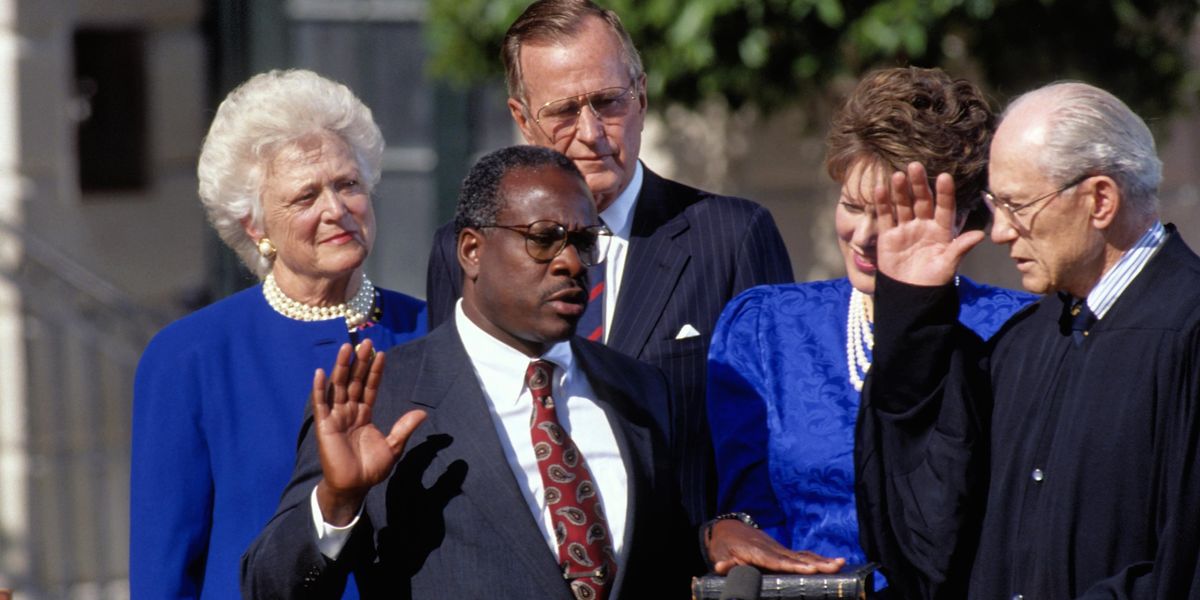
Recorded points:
(451, 521)
(690, 252)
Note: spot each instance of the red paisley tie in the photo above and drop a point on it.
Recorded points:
(585, 550)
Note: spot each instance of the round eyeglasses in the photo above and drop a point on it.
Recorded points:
(558, 119)
(1012, 209)
(546, 239)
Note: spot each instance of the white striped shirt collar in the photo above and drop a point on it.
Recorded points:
(1113, 283)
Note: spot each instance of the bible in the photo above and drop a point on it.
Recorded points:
(854, 582)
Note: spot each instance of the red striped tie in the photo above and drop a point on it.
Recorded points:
(591, 324)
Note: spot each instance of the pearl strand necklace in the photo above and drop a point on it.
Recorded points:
(860, 335)
(355, 311)
(859, 339)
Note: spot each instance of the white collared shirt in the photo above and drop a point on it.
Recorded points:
(500, 370)
(1113, 283)
(619, 218)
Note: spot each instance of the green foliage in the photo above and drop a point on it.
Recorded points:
(771, 53)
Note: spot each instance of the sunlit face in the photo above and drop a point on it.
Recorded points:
(1053, 244)
(317, 212)
(854, 221)
(605, 152)
(524, 302)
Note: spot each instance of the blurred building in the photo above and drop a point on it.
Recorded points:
(103, 105)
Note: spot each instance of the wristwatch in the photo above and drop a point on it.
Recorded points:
(706, 531)
(739, 516)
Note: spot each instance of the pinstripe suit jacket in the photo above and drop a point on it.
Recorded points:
(451, 521)
(690, 252)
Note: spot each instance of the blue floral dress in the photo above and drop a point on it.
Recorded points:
(782, 408)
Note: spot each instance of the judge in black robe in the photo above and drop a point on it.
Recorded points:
(1053, 462)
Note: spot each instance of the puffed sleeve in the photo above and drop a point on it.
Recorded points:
(737, 412)
(171, 476)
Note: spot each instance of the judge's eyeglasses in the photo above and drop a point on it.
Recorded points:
(1012, 209)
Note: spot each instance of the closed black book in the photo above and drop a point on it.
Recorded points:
(851, 583)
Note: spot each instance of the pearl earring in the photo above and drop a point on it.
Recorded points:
(266, 248)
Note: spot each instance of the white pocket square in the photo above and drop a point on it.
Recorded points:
(687, 331)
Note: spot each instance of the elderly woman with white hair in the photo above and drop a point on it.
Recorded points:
(286, 174)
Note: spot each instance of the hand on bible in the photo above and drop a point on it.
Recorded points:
(916, 242)
(735, 543)
(355, 455)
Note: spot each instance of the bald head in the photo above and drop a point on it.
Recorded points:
(1078, 175)
(1071, 129)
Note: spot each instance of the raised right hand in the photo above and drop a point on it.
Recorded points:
(355, 455)
(916, 242)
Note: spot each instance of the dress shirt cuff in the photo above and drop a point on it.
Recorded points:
(330, 538)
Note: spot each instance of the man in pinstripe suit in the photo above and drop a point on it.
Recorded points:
(576, 84)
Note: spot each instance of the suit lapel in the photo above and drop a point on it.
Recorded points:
(652, 268)
(447, 385)
(633, 439)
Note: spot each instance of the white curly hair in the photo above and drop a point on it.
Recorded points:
(256, 120)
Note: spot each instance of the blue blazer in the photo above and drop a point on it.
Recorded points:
(690, 252)
(451, 521)
(217, 406)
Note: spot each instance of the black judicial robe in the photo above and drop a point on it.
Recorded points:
(1035, 467)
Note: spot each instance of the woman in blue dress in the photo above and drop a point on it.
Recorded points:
(787, 361)
(286, 174)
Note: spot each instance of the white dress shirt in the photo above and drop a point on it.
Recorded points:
(619, 218)
(500, 370)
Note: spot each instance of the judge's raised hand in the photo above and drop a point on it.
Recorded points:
(355, 455)
(917, 242)
(734, 543)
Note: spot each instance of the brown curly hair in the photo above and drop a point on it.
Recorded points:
(900, 115)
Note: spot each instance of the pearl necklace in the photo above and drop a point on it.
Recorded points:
(355, 311)
(859, 339)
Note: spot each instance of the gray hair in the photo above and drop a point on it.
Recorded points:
(558, 22)
(255, 121)
(1090, 131)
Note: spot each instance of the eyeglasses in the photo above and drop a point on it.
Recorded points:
(1012, 209)
(546, 239)
(559, 118)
